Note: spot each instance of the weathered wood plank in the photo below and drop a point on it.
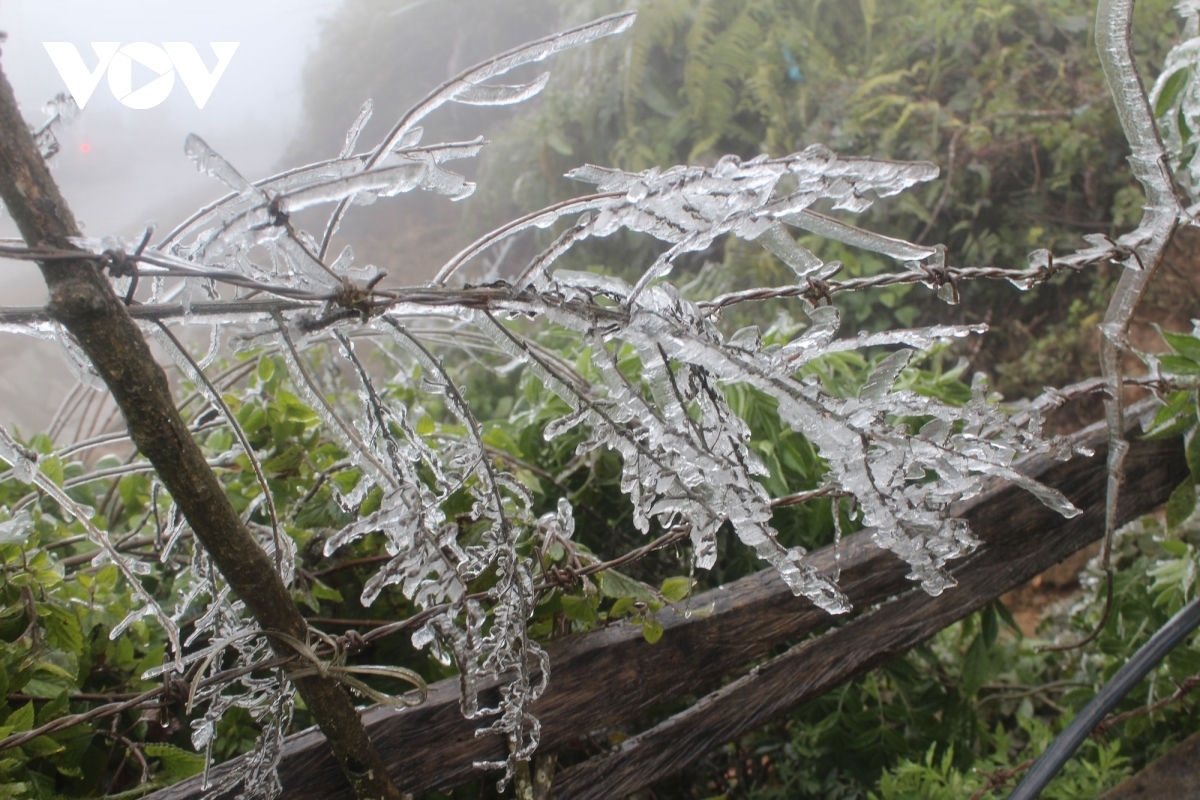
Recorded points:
(1175, 774)
(612, 676)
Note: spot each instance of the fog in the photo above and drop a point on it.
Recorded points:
(123, 168)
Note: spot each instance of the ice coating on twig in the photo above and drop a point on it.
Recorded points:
(356, 127)
(467, 83)
(690, 207)
(1163, 213)
(680, 471)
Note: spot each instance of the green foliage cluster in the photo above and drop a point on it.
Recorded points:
(1179, 373)
(58, 610)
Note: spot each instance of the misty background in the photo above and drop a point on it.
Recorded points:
(122, 169)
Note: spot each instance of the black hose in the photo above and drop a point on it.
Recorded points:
(1127, 677)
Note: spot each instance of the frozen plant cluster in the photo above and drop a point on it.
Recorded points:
(245, 264)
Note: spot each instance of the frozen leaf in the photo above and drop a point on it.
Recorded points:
(690, 207)
(1176, 99)
(16, 530)
(21, 460)
(502, 94)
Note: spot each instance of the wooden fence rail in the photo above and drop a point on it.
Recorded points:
(612, 676)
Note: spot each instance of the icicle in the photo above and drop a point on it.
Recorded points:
(501, 95)
(364, 115)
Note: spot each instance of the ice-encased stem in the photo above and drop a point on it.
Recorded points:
(181, 355)
(1148, 161)
(469, 86)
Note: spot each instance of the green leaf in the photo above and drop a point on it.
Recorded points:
(621, 608)
(177, 763)
(989, 625)
(21, 719)
(288, 461)
(346, 480)
(1172, 86)
(614, 584)
(52, 468)
(677, 588)
(55, 707)
(42, 747)
(294, 409)
(1174, 547)
(1178, 365)
(579, 610)
(50, 680)
(1006, 617)
(266, 368)
(1181, 504)
(1175, 417)
(133, 490)
(370, 504)
(652, 630)
(501, 439)
(219, 440)
(1184, 344)
(62, 628)
(323, 591)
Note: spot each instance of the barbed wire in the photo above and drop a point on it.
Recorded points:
(368, 300)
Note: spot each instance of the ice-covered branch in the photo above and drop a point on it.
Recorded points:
(1163, 211)
(470, 87)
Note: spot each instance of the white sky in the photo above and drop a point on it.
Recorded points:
(136, 171)
(248, 118)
